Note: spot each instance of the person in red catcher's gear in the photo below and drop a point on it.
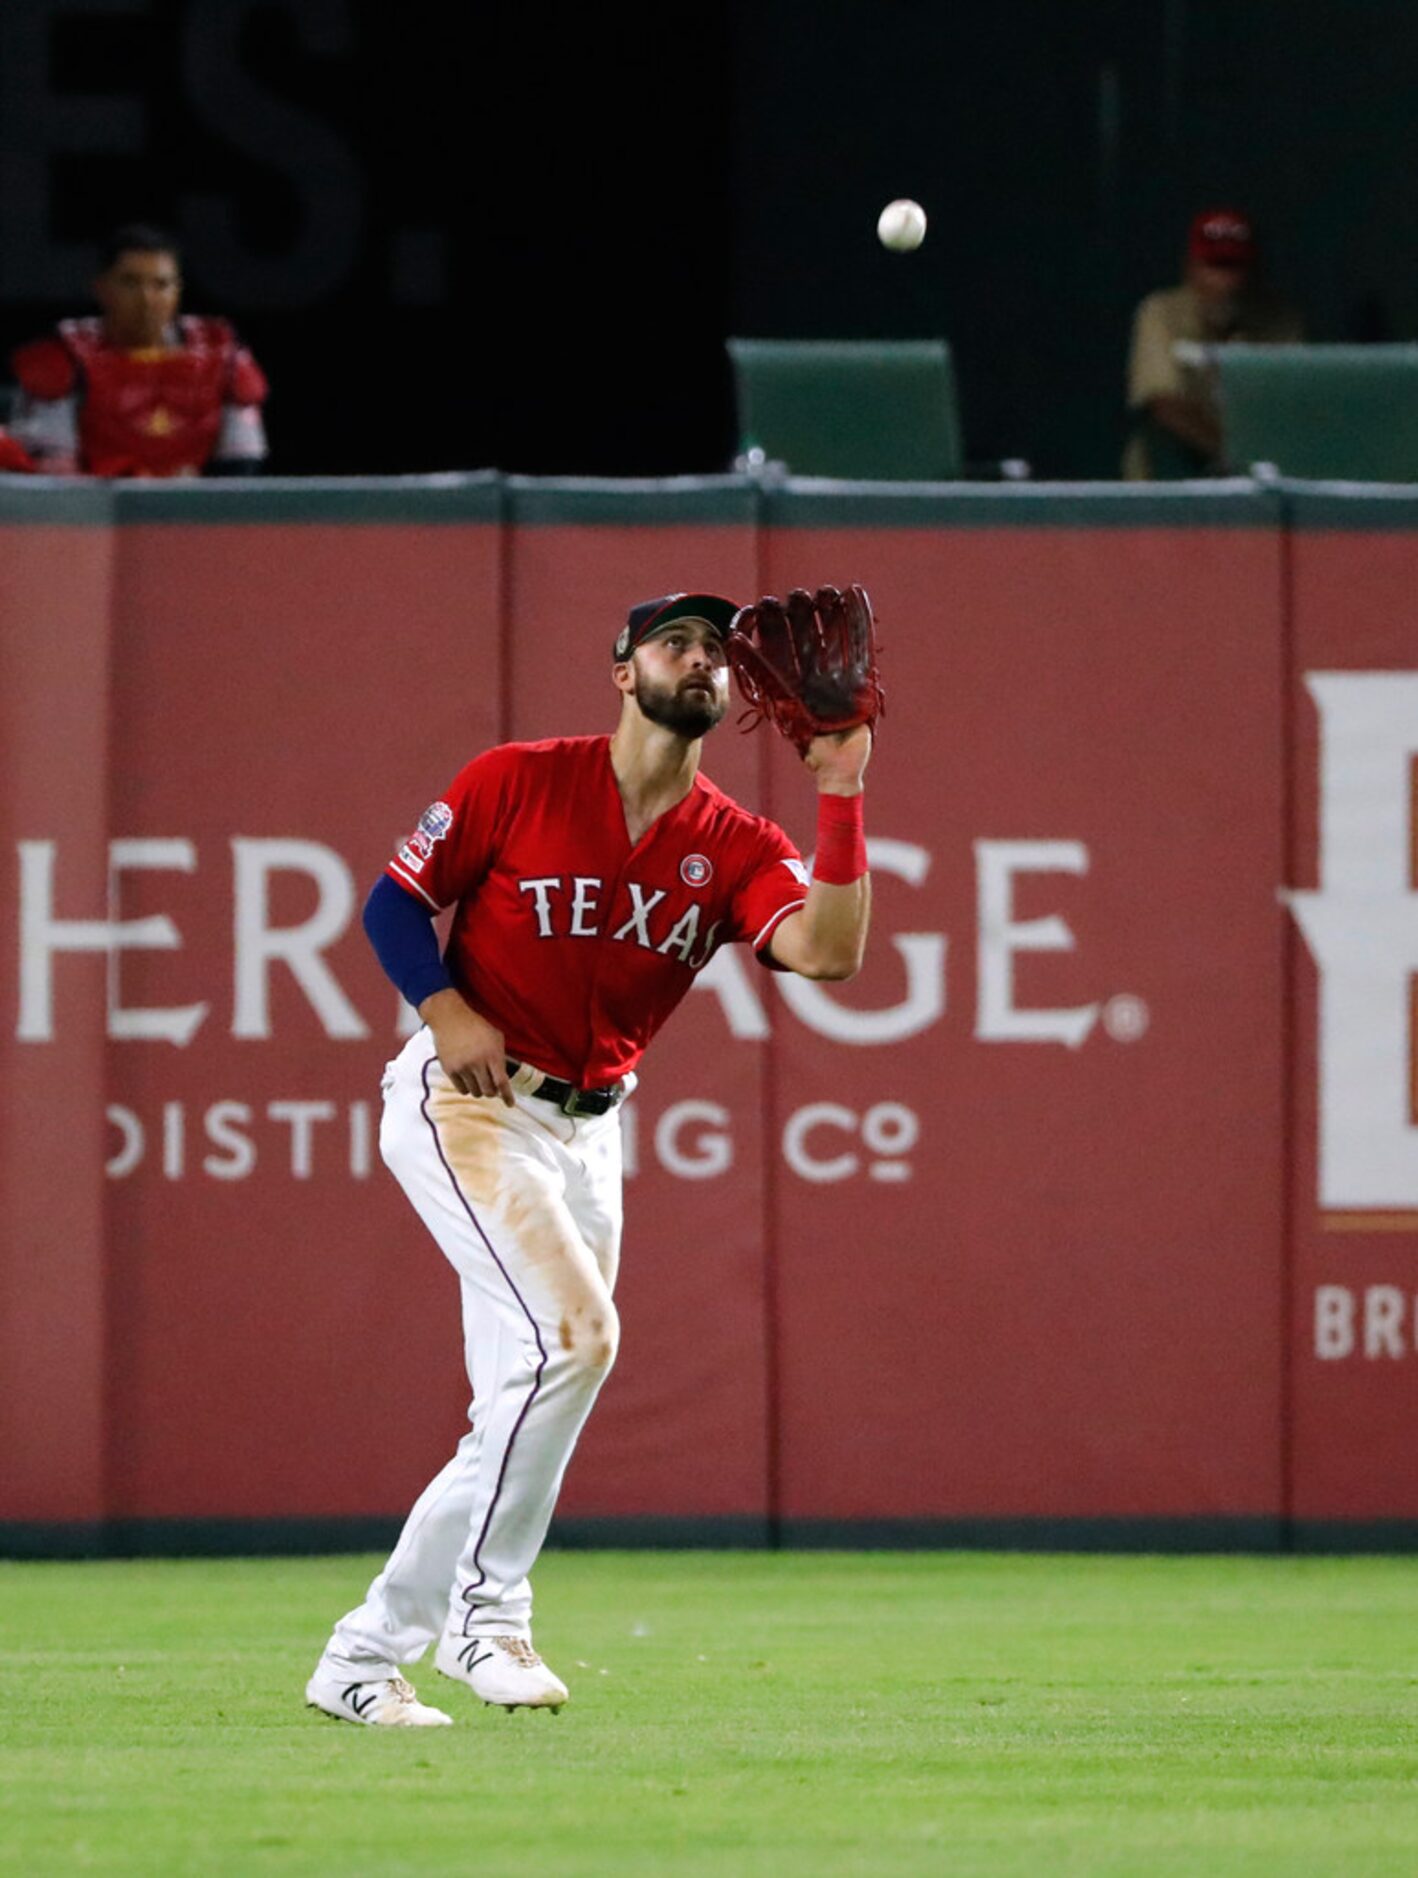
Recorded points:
(141, 389)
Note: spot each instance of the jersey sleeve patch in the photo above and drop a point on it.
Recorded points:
(452, 844)
(412, 866)
(433, 826)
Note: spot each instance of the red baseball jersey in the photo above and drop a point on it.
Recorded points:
(574, 943)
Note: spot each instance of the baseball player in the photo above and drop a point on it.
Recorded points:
(592, 878)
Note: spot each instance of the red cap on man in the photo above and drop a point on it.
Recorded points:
(1222, 238)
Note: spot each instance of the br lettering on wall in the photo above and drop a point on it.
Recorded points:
(1354, 954)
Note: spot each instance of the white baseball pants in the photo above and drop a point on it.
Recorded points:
(526, 1205)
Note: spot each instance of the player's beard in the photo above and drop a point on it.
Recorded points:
(689, 712)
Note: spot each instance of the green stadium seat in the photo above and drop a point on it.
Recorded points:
(1344, 412)
(861, 409)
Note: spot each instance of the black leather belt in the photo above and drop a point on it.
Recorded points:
(571, 1100)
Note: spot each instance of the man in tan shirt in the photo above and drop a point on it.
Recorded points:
(1176, 416)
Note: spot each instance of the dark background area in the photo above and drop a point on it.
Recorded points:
(520, 239)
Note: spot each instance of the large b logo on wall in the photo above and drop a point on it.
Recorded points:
(1362, 928)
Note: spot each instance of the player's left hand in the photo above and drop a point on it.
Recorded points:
(808, 663)
(839, 759)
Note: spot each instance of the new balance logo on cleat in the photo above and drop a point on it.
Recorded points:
(382, 1702)
(505, 1672)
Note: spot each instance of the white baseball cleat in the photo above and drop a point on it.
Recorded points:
(505, 1671)
(383, 1702)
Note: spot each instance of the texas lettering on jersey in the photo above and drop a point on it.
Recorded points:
(564, 910)
(576, 945)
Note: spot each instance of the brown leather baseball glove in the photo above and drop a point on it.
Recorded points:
(809, 663)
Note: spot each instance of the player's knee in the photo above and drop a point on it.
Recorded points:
(590, 1337)
(601, 1341)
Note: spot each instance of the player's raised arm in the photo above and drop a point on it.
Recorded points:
(808, 664)
(827, 939)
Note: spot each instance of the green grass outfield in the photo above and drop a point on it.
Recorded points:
(733, 1713)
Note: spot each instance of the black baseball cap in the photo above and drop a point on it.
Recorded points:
(651, 615)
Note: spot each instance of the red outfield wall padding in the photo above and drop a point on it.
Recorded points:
(1033, 1265)
(995, 1232)
(55, 638)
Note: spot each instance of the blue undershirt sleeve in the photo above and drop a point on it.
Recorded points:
(405, 943)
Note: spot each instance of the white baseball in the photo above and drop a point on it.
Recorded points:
(901, 225)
